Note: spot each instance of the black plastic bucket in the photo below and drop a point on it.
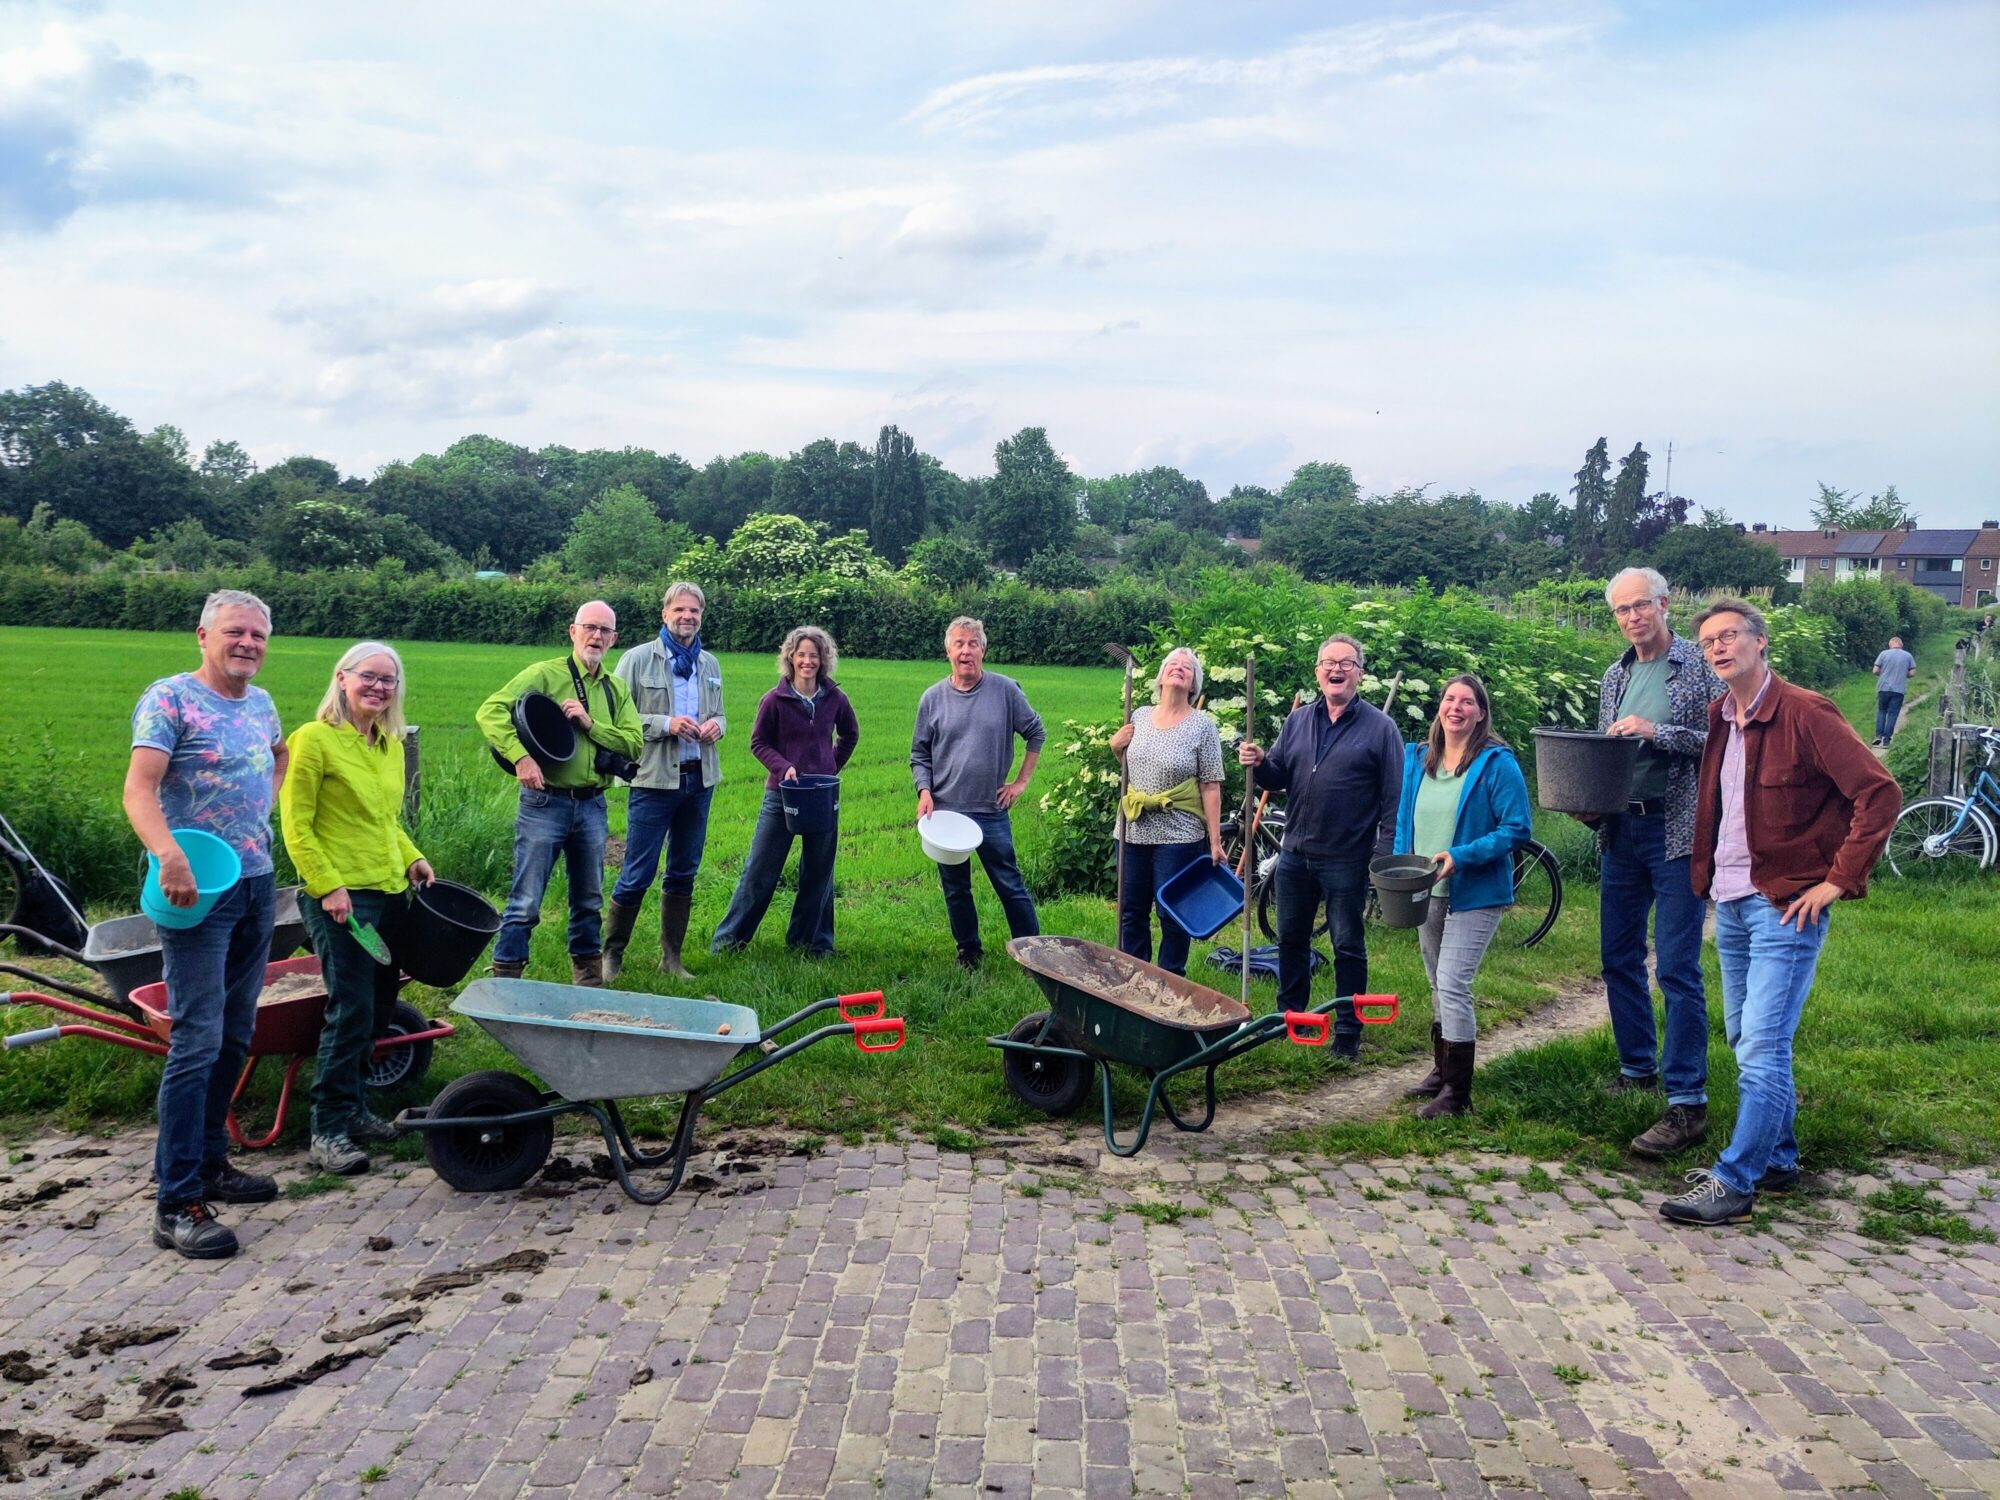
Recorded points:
(448, 927)
(812, 803)
(545, 730)
(1582, 771)
(1403, 888)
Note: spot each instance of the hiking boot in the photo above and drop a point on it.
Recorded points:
(1709, 1202)
(1779, 1180)
(1680, 1127)
(369, 1126)
(229, 1184)
(1455, 1098)
(587, 970)
(1625, 1083)
(1432, 1081)
(509, 971)
(618, 923)
(673, 932)
(338, 1155)
(193, 1231)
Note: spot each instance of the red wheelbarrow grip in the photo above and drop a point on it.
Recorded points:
(1307, 1028)
(878, 1026)
(1375, 1010)
(860, 1006)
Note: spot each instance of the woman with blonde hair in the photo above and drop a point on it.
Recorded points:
(805, 726)
(1173, 810)
(341, 807)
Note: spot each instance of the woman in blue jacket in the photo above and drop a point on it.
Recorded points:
(1465, 804)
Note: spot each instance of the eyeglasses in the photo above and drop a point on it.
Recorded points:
(1710, 644)
(377, 680)
(1636, 607)
(1342, 664)
(598, 629)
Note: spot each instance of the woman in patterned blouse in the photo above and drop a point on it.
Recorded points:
(1172, 814)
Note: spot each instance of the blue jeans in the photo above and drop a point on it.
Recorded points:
(1888, 708)
(1147, 868)
(214, 973)
(549, 824)
(1636, 877)
(360, 1003)
(1767, 968)
(670, 818)
(811, 926)
(996, 855)
(1303, 886)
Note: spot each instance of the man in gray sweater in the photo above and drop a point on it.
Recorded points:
(960, 755)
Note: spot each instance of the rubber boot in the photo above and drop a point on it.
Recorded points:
(587, 970)
(673, 932)
(618, 922)
(1433, 1080)
(509, 971)
(1455, 1098)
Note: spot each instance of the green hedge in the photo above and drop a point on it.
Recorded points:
(890, 618)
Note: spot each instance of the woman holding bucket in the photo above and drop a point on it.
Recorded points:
(341, 806)
(1172, 813)
(1465, 807)
(805, 729)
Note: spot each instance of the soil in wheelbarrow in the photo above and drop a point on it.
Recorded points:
(291, 987)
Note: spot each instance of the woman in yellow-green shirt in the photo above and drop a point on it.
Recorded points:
(341, 806)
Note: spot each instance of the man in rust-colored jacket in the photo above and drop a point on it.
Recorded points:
(1791, 813)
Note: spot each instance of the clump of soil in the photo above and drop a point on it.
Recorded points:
(372, 1326)
(18, 1448)
(43, 1192)
(144, 1429)
(451, 1281)
(247, 1358)
(89, 1409)
(164, 1390)
(291, 987)
(118, 1336)
(379, 1242)
(326, 1364)
(16, 1365)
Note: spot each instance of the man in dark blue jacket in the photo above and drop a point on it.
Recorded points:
(1339, 763)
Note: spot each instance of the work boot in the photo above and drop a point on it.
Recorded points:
(1681, 1126)
(1625, 1083)
(509, 971)
(673, 932)
(1455, 1098)
(587, 970)
(192, 1230)
(228, 1183)
(618, 921)
(1433, 1080)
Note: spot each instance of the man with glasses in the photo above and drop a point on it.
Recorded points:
(1339, 763)
(562, 806)
(1794, 810)
(1658, 691)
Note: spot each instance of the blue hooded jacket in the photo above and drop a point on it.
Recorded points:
(1493, 821)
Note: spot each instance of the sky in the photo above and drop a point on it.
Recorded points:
(1445, 247)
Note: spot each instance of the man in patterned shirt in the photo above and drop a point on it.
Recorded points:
(207, 753)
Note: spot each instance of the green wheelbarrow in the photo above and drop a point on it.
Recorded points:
(1107, 1007)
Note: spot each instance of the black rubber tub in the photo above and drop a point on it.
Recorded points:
(1582, 771)
(448, 927)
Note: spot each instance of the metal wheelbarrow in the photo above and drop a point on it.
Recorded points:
(490, 1131)
(287, 1027)
(1107, 1007)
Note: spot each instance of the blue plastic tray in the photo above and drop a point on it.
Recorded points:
(1204, 898)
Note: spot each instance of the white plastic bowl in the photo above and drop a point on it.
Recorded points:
(949, 837)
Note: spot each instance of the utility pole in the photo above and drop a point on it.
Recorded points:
(1667, 490)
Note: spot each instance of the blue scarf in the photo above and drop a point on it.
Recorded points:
(685, 657)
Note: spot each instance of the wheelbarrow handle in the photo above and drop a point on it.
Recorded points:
(1307, 1028)
(860, 1006)
(31, 1038)
(891, 1026)
(70, 1008)
(1375, 1010)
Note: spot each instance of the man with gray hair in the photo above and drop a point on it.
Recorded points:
(677, 687)
(1658, 692)
(208, 754)
(562, 809)
(960, 754)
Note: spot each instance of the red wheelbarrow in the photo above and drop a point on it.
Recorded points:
(287, 1027)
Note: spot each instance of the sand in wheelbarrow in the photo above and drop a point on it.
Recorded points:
(291, 987)
(619, 1018)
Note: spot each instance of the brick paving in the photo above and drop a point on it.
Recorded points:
(898, 1321)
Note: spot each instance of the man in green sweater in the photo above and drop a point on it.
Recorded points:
(562, 806)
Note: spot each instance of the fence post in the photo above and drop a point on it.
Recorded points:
(413, 775)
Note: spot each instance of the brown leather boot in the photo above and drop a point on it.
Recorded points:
(1680, 1127)
(509, 971)
(618, 923)
(1433, 1080)
(673, 932)
(587, 971)
(1455, 1098)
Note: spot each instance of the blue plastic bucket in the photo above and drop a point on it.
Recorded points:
(1204, 897)
(216, 868)
(812, 803)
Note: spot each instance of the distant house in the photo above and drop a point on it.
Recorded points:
(1959, 566)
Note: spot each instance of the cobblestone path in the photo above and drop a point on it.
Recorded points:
(896, 1321)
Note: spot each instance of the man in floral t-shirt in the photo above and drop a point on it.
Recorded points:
(208, 753)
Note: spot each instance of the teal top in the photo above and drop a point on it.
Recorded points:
(1436, 815)
(1646, 696)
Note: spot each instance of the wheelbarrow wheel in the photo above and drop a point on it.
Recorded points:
(493, 1158)
(1050, 1082)
(401, 1065)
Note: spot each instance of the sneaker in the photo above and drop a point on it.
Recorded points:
(1625, 1083)
(1680, 1127)
(230, 1184)
(1708, 1202)
(369, 1126)
(1779, 1180)
(193, 1231)
(338, 1155)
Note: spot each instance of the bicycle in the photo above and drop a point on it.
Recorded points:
(1937, 836)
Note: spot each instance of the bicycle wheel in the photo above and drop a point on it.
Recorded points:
(1538, 897)
(1937, 836)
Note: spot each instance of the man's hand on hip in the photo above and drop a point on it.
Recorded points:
(528, 773)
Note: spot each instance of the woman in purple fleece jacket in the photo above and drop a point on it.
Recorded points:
(805, 726)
